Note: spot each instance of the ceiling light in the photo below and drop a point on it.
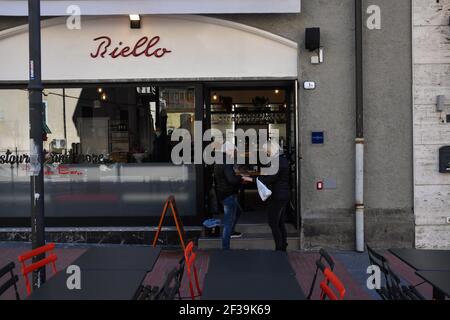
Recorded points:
(135, 21)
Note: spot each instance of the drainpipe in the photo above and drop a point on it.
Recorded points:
(359, 147)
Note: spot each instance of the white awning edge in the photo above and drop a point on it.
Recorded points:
(226, 23)
(115, 7)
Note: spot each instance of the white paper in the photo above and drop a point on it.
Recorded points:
(263, 191)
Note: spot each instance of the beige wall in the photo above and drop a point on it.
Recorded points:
(14, 118)
(14, 121)
(431, 78)
(55, 114)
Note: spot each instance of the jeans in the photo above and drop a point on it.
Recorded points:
(231, 213)
(276, 211)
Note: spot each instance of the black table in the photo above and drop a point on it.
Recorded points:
(119, 258)
(95, 285)
(250, 261)
(250, 275)
(440, 280)
(429, 260)
(106, 273)
(251, 286)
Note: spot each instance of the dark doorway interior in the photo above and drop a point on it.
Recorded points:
(260, 108)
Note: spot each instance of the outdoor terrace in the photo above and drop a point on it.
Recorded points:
(350, 267)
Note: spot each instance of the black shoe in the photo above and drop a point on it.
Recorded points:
(235, 235)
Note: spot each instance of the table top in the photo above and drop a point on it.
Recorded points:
(119, 258)
(431, 260)
(438, 279)
(250, 275)
(250, 261)
(95, 285)
(251, 286)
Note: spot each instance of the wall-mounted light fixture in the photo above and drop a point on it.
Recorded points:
(135, 21)
(312, 43)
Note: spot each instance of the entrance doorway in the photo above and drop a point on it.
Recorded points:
(258, 106)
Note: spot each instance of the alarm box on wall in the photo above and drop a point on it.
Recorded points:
(444, 160)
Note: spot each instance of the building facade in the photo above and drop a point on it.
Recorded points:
(200, 57)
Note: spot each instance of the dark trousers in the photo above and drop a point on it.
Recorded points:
(276, 214)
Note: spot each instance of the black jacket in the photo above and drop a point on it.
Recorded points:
(279, 182)
(227, 183)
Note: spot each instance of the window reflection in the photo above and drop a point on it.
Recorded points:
(107, 151)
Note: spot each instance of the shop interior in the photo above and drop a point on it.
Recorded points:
(131, 124)
(251, 108)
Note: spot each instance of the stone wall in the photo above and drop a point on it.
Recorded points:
(328, 216)
(431, 51)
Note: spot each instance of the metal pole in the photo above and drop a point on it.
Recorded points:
(297, 163)
(64, 119)
(36, 132)
(359, 148)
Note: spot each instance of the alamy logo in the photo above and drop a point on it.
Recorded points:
(253, 147)
(73, 22)
(374, 20)
(374, 280)
(74, 280)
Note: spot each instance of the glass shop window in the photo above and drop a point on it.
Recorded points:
(107, 151)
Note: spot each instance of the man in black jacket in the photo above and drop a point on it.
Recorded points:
(227, 187)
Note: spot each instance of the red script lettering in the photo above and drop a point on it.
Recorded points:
(144, 46)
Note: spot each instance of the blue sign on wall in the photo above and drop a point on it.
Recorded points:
(318, 138)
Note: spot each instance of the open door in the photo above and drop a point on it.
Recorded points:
(293, 128)
(256, 105)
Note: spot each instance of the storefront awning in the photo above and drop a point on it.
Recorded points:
(184, 48)
(116, 7)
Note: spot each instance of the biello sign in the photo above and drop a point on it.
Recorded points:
(145, 46)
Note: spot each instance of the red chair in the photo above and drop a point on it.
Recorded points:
(324, 257)
(189, 257)
(37, 265)
(327, 290)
